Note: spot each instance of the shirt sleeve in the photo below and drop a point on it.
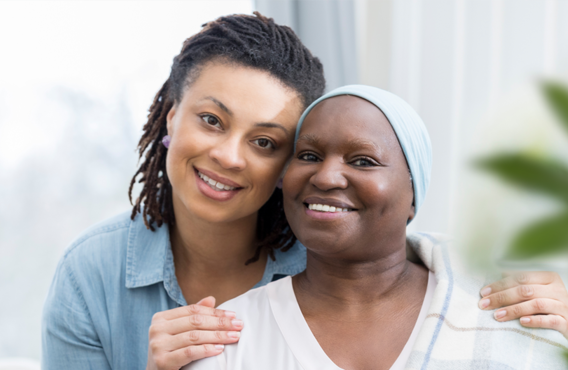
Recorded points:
(69, 337)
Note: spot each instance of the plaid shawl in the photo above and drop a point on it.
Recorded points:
(458, 335)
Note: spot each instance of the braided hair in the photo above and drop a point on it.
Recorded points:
(249, 41)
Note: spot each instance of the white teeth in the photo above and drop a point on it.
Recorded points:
(326, 208)
(214, 184)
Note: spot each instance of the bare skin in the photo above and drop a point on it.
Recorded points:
(236, 125)
(359, 294)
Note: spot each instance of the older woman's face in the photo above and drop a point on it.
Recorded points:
(231, 135)
(349, 166)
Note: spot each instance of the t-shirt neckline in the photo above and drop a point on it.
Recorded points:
(302, 341)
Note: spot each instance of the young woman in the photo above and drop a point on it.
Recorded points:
(226, 117)
(358, 176)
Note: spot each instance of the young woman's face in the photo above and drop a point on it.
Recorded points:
(231, 135)
(347, 157)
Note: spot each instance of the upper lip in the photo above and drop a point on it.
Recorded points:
(328, 201)
(221, 179)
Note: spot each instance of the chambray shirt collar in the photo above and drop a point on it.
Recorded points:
(287, 263)
(149, 260)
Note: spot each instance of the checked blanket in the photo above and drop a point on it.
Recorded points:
(458, 335)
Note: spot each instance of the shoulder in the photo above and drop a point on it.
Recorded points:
(100, 244)
(249, 303)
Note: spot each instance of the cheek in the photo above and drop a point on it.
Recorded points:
(295, 180)
(386, 195)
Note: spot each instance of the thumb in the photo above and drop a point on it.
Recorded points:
(207, 302)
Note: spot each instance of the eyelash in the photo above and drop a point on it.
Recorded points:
(270, 142)
(302, 156)
(372, 162)
(203, 117)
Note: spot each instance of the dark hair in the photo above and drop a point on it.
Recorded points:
(250, 41)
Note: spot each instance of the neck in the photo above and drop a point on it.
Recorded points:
(338, 283)
(213, 247)
(210, 257)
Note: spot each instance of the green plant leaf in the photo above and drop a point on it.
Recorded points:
(557, 96)
(546, 236)
(544, 176)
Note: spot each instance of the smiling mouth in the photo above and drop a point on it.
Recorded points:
(215, 185)
(327, 208)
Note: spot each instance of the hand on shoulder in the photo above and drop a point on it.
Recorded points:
(538, 299)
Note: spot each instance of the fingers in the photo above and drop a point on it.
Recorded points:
(518, 294)
(512, 280)
(193, 309)
(198, 337)
(554, 322)
(184, 356)
(185, 334)
(207, 302)
(198, 322)
(533, 307)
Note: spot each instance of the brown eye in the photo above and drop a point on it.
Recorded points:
(211, 120)
(264, 143)
(363, 162)
(308, 157)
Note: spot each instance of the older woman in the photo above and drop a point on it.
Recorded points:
(359, 174)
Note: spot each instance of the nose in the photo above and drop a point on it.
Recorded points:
(329, 175)
(229, 154)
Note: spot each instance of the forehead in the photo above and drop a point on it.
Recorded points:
(346, 118)
(248, 92)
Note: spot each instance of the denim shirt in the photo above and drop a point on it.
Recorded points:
(109, 284)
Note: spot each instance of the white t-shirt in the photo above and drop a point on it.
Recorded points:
(277, 337)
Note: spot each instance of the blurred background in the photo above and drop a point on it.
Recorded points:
(77, 78)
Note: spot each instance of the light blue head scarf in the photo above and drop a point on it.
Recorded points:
(408, 127)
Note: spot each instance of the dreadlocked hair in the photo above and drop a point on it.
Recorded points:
(250, 41)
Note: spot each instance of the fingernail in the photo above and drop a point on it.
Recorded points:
(219, 346)
(237, 323)
(500, 314)
(230, 314)
(233, 334)
(525, 320)
(485, 291)
(484, 303)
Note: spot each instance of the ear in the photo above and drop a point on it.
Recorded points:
(412, 212)
(169, 119)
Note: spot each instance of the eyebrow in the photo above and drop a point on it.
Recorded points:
(351, 145)
(360, 143)
(220, 105)
(230, 113)
(272, 125)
